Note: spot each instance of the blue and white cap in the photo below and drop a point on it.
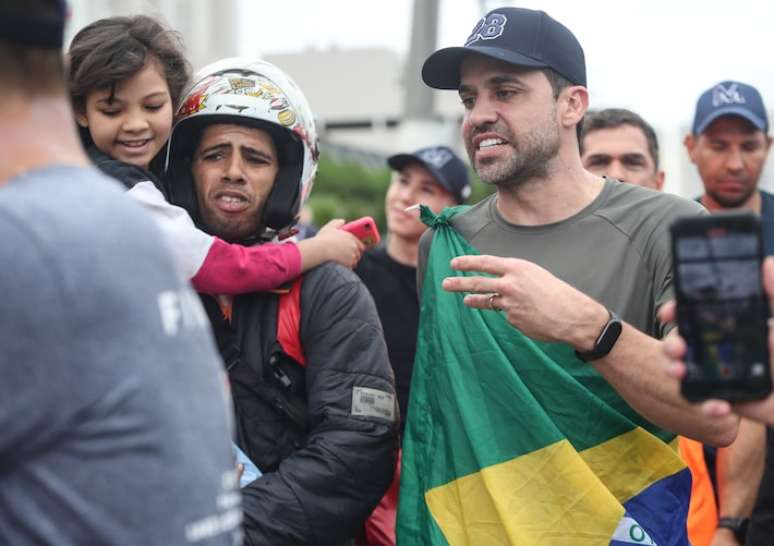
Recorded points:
(730, 98)
(445, 166)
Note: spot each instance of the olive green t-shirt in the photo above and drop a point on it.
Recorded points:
(616, 250)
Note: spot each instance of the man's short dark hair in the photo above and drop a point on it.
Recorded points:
(558, 84)
(557, 81)
(26, 69)
(611, 118)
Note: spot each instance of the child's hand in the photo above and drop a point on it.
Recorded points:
(340, 246)
(330, 243)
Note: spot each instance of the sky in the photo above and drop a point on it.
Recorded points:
(654, 56)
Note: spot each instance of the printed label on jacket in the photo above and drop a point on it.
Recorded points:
(373, 403)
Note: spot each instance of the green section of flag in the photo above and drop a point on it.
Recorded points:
(483, 393)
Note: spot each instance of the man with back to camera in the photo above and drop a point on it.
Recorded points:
(618, 143)
(729, 144)
(114, 417)
(314, 394)
(589, 250)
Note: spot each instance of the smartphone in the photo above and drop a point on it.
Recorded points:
(722, 310)
(250, 472)
(364, 229)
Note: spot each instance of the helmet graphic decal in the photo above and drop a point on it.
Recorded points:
(255, 93)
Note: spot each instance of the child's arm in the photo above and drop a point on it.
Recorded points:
(330, 244)
(213, 265)
(235, 269)
(217, 267)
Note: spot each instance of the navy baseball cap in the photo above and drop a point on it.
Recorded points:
(517, 36)
(22, 26)
(730, 98)
(445, 166)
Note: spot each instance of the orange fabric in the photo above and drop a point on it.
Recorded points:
(289, 323)
(226, 306)
(702, 512)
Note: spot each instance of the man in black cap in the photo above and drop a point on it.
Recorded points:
(570, 257)
(114, 419)
(436, 177)
(433, 176)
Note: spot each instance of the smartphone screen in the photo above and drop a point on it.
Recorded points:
(722, 311)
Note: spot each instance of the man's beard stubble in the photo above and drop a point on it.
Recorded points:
(528, 159)
(735, 202)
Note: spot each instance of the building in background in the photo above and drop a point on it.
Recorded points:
(361, 96)
(359, 101)
(209, 28)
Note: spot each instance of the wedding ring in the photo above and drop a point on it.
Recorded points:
(492, 297)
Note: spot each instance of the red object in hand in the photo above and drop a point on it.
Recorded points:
(364, 229)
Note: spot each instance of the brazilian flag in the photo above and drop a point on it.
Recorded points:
(513, 441)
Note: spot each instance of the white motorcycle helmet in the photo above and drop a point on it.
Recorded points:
(258, 94)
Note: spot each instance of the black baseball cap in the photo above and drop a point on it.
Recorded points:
(20, 25)
(445, 166)
(518, 36)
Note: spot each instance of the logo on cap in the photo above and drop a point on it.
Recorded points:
(437, 157)
(727, 95)
(487, 28)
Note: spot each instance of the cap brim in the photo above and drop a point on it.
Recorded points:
(731, 111)
(442, 69)
(399, 161)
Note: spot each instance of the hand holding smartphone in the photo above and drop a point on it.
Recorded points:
(722, 310)
(364, 229)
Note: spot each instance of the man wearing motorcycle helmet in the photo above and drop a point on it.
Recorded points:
(318, 414)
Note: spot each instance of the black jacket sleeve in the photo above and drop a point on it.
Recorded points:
(324, 491)
(129, 175)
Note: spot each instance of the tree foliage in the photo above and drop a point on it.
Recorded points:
(349, 190)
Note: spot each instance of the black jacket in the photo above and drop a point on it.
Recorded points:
(325, 469)
(126, 173)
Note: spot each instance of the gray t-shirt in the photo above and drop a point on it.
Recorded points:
(113, 414)
(616, 250)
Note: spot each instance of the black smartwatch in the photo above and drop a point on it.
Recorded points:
(605, 341)
(738, 526)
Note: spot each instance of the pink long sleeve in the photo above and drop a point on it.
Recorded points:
(234, 269)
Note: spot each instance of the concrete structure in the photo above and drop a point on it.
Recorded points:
(359, 95)
(209, 28)
(359, 100)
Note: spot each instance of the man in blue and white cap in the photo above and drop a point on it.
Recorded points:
(570, 258)
(729, 144)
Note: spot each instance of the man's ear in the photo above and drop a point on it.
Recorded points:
(690, 144)
(574, 102)
(660, 180)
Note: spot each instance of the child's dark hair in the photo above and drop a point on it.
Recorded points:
(114, 49)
